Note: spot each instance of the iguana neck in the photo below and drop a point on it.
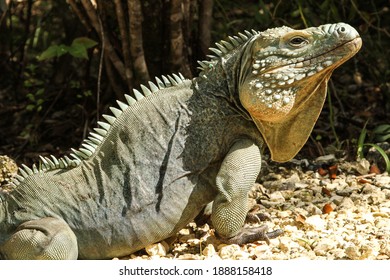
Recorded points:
(222, 79)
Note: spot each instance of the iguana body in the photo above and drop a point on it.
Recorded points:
(159, 160)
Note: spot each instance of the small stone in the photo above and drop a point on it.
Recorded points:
(385, 210)
(337, 199)
(157, 249)
(285, 244)
(352, 252)
(289, 228)
(368, 251)
(185, 238)
(209, 251)
(326, 158)
(367, 218)
(193, 242)
(314, 210)
(228, 251)
(377, 197)
(381, 214)
(8, 169)
(347, 191)
(261, 250)
(294, 178)
(299, 185)
(189, 257)
(316, 222)
(284, 214)
(363, 166)
(383, 181)
(277, 197)
(324, 246)
(347, 203)
(184, 231)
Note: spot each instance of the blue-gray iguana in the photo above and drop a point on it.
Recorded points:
(181, 144)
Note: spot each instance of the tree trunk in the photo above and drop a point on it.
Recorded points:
(205, 22)
(178, 59)
(136, 41)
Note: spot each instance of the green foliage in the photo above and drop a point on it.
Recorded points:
(381, 133)
(77, 49)
(361, 143)
(36, 100)
(35, 88)
(77, 86)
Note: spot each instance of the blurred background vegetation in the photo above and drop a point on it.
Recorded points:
(64, 62)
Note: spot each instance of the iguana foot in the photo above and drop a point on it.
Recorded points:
(43, 239)
(249, 235)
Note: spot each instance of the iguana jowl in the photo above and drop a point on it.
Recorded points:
(151, 168)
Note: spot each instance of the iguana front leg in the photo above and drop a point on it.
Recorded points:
(235, 178)
(43, 239)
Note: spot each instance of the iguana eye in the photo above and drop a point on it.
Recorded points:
(297, 41)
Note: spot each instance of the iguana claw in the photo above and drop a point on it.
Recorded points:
(257, 218)
(250, 235)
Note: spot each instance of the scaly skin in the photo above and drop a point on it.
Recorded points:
(152, 168)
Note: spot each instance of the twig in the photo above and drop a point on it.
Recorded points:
(99, 79)
(370, 175)
(92, 14)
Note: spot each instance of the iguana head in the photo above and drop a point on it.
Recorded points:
(283, 79)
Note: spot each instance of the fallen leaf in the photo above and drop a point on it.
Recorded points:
(322, 171)
(333, 171)
(364, 181)
(300, 218)
(375, 169)
(327, 208)
(325, 191)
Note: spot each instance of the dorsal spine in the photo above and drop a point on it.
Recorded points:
(224, 47)
(95, 139)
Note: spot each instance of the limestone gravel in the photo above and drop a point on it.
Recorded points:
(324, 214)
(346, 217)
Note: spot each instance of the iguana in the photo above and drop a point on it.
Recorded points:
(179, 145)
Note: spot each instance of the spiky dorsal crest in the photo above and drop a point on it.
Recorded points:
(224, 47)
(94, 140)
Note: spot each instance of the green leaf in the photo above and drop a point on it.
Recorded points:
(380, 129)
(382, 138)
(53, 51)
(78, 50)
(30, 107)
(40, 91)
(86, 42)
(362, 137)
(79, 47)
(31, 96)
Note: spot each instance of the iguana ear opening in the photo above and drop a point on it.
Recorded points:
(286, 137)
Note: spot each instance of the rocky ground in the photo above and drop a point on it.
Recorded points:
(338, 212)
(328, 209)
